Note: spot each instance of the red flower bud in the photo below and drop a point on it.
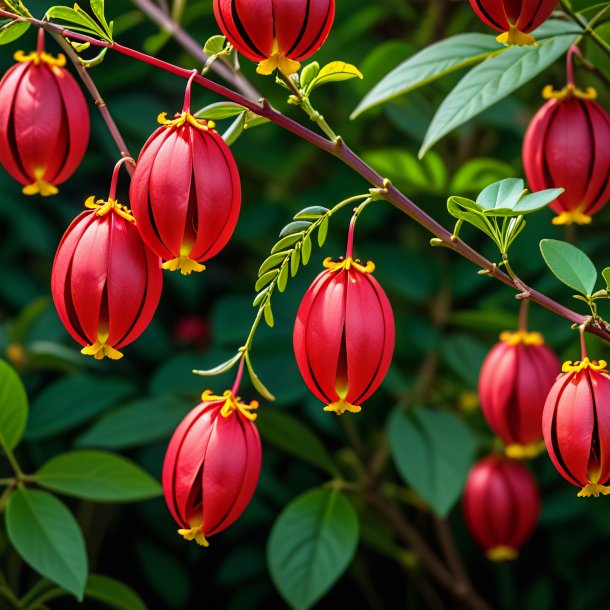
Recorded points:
(44, 122)
(106, 283)
(277, 33)
(514, 17)
(344, 335)
(513, 385)
(501, 505)
(185, 192)
(576, 426)
(212, 466)
(566, 145)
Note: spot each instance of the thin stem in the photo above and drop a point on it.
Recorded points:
(574, 50)
(240, 373)
(445, 536)
(345, 154)
(165, 21)
(523, 311)
(115, 176)
(583, 342)
(40, 42)
(10, 456)
(187, 94)
(588, 27)
(95, 94)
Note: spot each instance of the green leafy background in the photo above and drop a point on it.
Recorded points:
(445, 313)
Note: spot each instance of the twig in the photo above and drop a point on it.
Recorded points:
(450, 552)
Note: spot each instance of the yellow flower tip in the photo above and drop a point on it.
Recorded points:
(502, 553)
(581, 365)
(231, 404)
(593, 490)
(572, 217)
(515, 37)
(347, 264)
(195, 534)
(278, 61)
(524, 452)
(40, 187)
(185, 264)
(100, 350)
(104, 207)
(341, 406)
(521, 337)
(41, 58)
(570, 90)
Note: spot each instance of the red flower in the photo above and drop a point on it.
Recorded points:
(513, 385)
(212, 466)
(106, 284)
(277, 33)
(344, 335)
(566, 145)
(514, 17)
(501, 505)
(576, 426)
(185, 192)
(44, 122)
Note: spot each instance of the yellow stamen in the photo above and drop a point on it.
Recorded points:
(232, 403)
(183, 118)
(521, 337)
(104, 207)
(99, 349)
(516, 37)
(196, 534)
(593, 489)
(469, 401)
(185, 264)
(502, 553)
(570, 90)
(524, 452)
(40, 187)
(38, 58)
(341, 406)
(278, 61)
(572, 217)
(347, 264)
(581, 365)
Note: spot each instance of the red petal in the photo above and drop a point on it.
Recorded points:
(600, 383)
(491, 12)
(302, 27)
(598, 188)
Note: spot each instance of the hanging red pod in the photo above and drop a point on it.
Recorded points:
(212, 465)
(576, 425)
(278, 34)
(501, 505)
(515, 379)
(567, 144)
(514, 18)
(44, 121)
(185, 192)
(106, 283)
(344, 334)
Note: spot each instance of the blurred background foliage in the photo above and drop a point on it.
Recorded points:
(447, 318)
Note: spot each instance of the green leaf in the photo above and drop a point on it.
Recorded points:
(139, 423)
(431, 63)
(606, 276)
(215, 45)
(273, 261)
(570, 265)
(295, 228)
(97, 6)
(333, 72)
(232, 134)
(256, 382)
(99, 476)
(314, 212)
(77, 19)
(71, 401)
(220, 110)
(113, 593)
(258, 300)
(323, 231)
(48, 538)
(502, 194)
(465, 355)
(308, 73)
(491, 81)
(17, 7)
(295, 438)
(286, 242)
(433, 451)
(306, 250)
(295, 260)
(282, 279)
(12, 30)
(230, 363)
(268, 313)
(13, 407)
(265, 279)
(469, 211)
(311, 545)
(536, 201)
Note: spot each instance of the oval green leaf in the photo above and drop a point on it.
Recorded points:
(570, 265)
(13, 407)
(311, 545)
(433, 451)
(98, 476)
(48, 538)
(491, 81)
(333, 72)
(113, 593)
